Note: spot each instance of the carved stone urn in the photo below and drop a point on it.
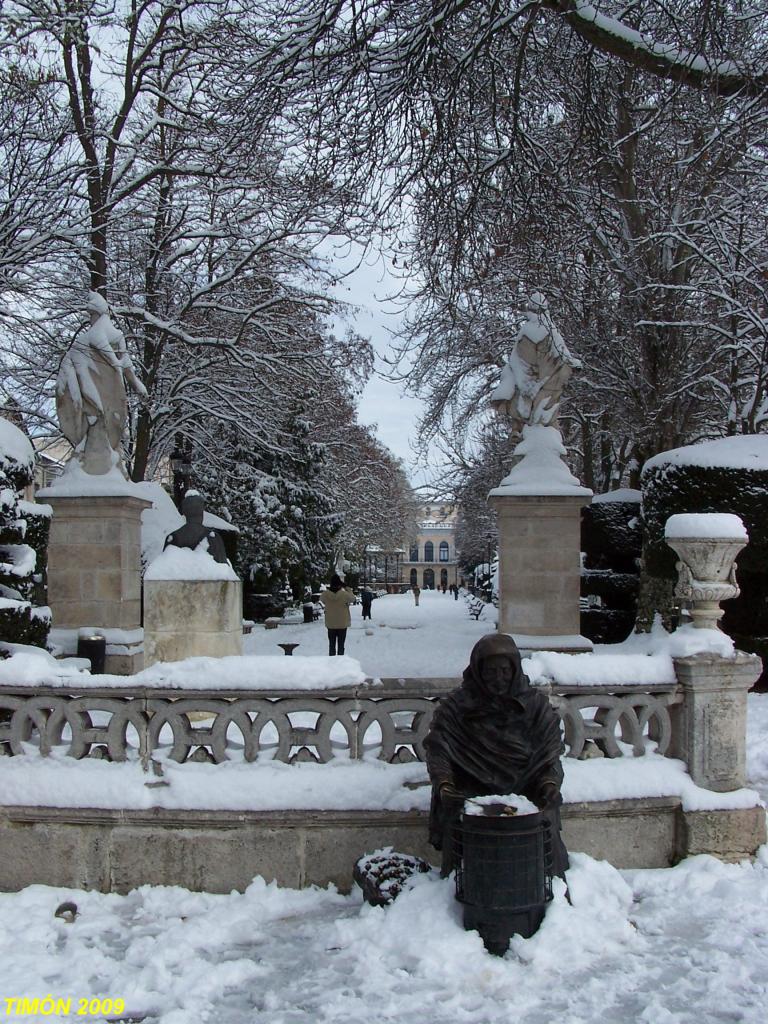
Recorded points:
(707, 544)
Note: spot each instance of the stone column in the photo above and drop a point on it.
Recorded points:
(192, 618)
(709, 728)
(94, 573)
(539, 567)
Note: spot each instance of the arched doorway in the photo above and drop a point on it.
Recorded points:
(443, 577)
(429, 579)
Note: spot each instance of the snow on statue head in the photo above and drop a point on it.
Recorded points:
(90, 391)
(536, 372)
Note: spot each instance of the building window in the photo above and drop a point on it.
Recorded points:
(443, 550)
(429, 552)
(414, 555)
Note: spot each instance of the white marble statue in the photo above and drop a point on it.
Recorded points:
(90, 391)
(533, 378)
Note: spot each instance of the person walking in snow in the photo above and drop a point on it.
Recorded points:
(336, 601)
(416, 592)
(366, 600)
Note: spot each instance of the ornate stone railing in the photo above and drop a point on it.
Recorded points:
(388, 721)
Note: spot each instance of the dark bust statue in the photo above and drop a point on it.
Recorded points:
(495, 734)
(193, 532)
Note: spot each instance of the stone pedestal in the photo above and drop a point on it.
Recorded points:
(94, 573)
(710, 726)
(192, 618)
(539, 568)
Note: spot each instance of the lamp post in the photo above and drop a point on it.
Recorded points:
(181, 468)
(489, 538)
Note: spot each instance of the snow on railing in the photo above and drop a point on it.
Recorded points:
(387, 720)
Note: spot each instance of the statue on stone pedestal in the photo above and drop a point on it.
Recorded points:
(90, 391)
(193, 533)
(495, 734)
(536, 372)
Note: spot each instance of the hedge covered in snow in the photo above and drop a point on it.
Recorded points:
(611, 540)
(729, 474)
(23, 544)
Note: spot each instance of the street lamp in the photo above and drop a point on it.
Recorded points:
(181, 468)
(489, 538)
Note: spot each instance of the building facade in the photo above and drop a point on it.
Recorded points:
(431, 561)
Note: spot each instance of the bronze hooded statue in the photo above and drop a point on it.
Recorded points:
(495, 734)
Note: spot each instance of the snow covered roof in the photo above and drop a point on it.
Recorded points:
(744, 451)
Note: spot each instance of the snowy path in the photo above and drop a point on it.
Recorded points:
(432, 640)
(681, 946)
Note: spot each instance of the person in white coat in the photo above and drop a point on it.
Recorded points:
(336, 601)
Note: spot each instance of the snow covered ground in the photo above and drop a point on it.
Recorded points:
(686, 945)
(400, 639)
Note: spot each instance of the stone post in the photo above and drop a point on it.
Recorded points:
(539, 567)
(94, 573)
(192, 618)
(709, 728)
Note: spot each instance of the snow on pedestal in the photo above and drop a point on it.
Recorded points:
(540, 469)
(539, 515)
(192, 607)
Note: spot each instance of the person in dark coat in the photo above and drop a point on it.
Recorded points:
(495, 734)
(366, 600)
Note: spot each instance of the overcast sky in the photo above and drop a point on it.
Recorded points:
(383, 403)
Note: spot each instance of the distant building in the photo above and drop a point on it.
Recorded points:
(431, 560)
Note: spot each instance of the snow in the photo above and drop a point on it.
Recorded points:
(685, 642)
(521, 804)
(541, 470)
(34, 508)
(668, 52)
(15, 445)
(607, 669)
(74, 482)
(679, 946)
(621, 494)
(184, 564)
(706, 524)
(230, 673)
(61, 781)
(22, 560)
(342, 784)
(745, 451)
(431, 641)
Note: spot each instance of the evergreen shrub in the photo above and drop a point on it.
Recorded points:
(611, 541)
(21, 530)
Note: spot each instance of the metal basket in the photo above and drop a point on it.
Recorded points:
(504, 875)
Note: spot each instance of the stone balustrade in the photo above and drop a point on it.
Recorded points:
(697, 718)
